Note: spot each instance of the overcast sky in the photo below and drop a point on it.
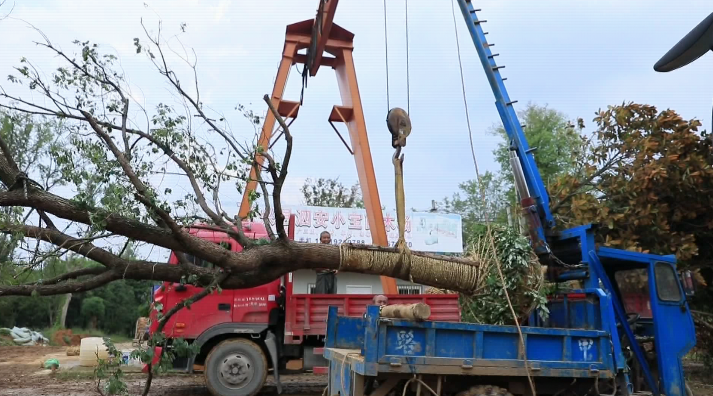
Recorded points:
(574, 56)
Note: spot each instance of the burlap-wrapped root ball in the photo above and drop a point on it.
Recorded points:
(521, 270)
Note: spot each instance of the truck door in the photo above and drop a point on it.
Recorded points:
(211, 310)
(673, 326)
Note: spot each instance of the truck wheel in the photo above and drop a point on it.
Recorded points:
(235, 367)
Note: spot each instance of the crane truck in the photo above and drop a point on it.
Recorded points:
(594, 341)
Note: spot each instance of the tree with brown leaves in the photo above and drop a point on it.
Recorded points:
(647, 179)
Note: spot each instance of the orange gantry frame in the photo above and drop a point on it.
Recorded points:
(339, 43)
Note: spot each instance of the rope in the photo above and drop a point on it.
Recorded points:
(465, 99)
(386, 53)
(408, 85)
(421, 382)
(437, 271)
(487, 219)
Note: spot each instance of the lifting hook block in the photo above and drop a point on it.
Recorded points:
(399, 124)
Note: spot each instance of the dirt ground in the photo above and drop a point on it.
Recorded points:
(21, 374)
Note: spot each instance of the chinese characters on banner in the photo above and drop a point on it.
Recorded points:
(426, 232)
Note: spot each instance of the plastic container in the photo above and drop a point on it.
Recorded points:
(89, 349)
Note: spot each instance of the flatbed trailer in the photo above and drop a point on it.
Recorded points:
(572, 350)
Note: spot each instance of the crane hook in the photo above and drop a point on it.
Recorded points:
(399, 124)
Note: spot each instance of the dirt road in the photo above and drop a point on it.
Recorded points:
(21, 375)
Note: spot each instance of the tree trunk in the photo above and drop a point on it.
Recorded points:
(418, 311)
(63, 315)
(51, 315)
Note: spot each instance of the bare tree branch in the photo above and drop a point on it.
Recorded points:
(171, 76)
(60, 288)
(266, 212)
(272, 168)
(74, 275)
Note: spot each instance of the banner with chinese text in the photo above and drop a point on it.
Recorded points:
(426, 232)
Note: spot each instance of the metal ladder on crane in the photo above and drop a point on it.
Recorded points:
(528, 181)
(534, 198)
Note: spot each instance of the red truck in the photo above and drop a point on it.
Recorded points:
(245, 333)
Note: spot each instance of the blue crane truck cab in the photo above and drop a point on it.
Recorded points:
(583, 347)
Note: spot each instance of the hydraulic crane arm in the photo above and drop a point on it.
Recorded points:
(533, 195)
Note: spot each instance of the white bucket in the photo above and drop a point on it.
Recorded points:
(89, 349)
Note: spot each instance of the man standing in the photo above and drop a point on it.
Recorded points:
(326, 278)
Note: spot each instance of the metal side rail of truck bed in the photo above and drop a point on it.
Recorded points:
(361, 349)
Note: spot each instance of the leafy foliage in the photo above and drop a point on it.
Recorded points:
(331, 193)
(32, 142)
(109, 370)
(94, 309)
(522, 275)
(558, 143)
(468, 203)
(647, 182)
(125, 300)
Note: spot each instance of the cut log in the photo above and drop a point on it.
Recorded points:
(418, 311)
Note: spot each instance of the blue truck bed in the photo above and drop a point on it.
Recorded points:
(371, 346)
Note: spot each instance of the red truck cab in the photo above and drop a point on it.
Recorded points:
(264, 327)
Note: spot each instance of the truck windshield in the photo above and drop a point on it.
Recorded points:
(203, 263)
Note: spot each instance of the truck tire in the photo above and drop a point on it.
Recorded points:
(235, 367)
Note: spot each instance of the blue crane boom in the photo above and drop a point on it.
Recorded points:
(533, 195)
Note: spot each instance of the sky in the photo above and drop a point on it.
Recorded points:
(573, 56)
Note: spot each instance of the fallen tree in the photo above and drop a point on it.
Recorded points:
(108, 148)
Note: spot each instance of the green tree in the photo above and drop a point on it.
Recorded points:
(558, 142)
(94, 309)
(475, 209)
(559, 147)
(331, 193)
(31, 142)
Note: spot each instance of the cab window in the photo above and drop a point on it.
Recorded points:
(633, 286)
(203, 263)
(667, 286)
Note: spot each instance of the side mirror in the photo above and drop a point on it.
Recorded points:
(181, 288)
(687, 283)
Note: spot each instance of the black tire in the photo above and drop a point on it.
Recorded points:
(236, 367)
